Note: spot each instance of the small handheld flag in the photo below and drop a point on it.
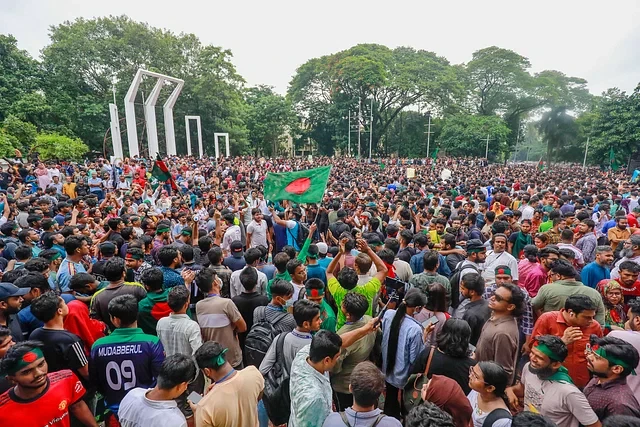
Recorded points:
(305, 186)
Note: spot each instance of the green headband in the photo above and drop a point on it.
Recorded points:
(186, 232)
(219, 359)
(56, 256)
(163, 230)
(613, 360)
(547, 351)
(27, 359)
(503, 270)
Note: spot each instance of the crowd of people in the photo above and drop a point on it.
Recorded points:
(468, 295)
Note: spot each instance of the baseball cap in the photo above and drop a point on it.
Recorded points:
(108, 249)
(236, 249)
(8, 290)
(508, 212)
(322, 247)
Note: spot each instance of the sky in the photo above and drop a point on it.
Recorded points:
(597, 41)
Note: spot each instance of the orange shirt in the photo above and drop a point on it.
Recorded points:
(553, 323)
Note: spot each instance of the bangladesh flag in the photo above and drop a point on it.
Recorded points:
(305, 186)
(161, 173)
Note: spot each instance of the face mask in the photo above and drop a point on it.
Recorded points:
(289, 303)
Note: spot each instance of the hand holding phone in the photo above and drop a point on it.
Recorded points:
(194, 397)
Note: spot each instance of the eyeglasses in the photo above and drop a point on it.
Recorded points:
(498, 298)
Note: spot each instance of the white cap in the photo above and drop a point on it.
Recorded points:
(322, 248)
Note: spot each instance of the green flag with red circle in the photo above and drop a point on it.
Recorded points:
(305, 186)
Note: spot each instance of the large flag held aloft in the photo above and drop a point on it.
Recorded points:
(305, 186)
(161, 173)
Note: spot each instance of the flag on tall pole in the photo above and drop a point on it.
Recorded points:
(305, 186)
(612, 160)
(161, 173)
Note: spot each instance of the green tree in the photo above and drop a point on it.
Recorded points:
(466, 135)
(56, 146)
(559, 131)
(25, 133)
(325, 89)
(19, 73)
(269, 117)
(8, 144)
(86, 56)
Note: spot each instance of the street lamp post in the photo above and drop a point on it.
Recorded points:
(428, 131)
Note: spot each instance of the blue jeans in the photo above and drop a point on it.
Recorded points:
(263, 418)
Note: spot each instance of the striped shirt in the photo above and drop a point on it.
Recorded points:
(67, 270)
(216, 317)
(179, 334)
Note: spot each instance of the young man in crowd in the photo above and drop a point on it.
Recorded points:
(546, 386)
(153, 306)
(598, 270)
(314, 292)
(248, 300)
(251, 257)
(128, 354)
(474, 309)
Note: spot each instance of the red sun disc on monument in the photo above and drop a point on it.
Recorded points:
(298, 186)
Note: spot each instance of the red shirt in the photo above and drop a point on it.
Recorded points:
(553, 323)
(627, 293)
(50, 409)
(632, 220)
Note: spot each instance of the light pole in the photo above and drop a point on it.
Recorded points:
(349, 140)
(371, 129)
(586, 150)
(359, 125)
(428, 131)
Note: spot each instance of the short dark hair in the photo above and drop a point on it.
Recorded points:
(430, 260)
(281, 288)
(280, 261)
(23, 252)
(113, 269)
(215, 255)
(531, 419)
(473, 282)
(152, 278)
(80, 280)
(187, 252)
(305, 311)
(252, 255)
(45, 307)
(392, 244)
(38, 265)
(205, 279)
(367, 383)
(124, 308)
(167, 254)
(348, 278)
(579, 303)
(563, 268)
(620, 349)
(494, 375)
(249, 278)
(517, 298)
(175, 370)
(428, 415)
(631, 266)
(314, 283)
(33, 280)
(621, 421)
(355, 304)
(324, 344)
(178, 297)
(207, 355)
(436, 297)
(292, 264)
(555, 344)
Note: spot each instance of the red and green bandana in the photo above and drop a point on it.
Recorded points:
(314, 293)
(503, 270)
(134, 256)
(27, 359)
(596, 349)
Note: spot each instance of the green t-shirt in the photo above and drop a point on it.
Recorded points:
(328, 317)
(369, 290)
(545, 226)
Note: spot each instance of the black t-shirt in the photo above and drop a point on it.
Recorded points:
(246, 303)
(442, 364)
(62, 349)
(98, 270)
(5, 179)
(476, 315)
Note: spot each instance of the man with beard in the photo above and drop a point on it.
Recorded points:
(39, 398)
(611, 360)
(539, 275)
(547, 388)
(10, 303)
(585, 239)
(598, 270)
(630, 252)
(628, 278)
(574, 324)
(499, 256)
(517, 241)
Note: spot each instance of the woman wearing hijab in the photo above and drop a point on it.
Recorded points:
(448, 396)
(614, 316)
(78, 322)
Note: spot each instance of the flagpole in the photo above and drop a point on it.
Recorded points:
(371, 129)
(586, 150)
(486, 150)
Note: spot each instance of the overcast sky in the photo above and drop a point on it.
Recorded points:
(598, 41)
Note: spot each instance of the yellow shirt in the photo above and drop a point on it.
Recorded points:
(233, 402)
(69, 188)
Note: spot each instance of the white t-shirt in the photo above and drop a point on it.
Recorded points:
(478, 418)
(258, 233)
(136, 410)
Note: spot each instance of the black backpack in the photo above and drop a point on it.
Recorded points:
(495, 415)
(275, 396)
(260, 337)
(454, 282)
(301, 235)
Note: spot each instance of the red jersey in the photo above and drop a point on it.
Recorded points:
(50, 409)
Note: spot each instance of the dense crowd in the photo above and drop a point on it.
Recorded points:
(446, 292)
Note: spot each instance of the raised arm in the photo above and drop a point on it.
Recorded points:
(382, 269)
(336, 259)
